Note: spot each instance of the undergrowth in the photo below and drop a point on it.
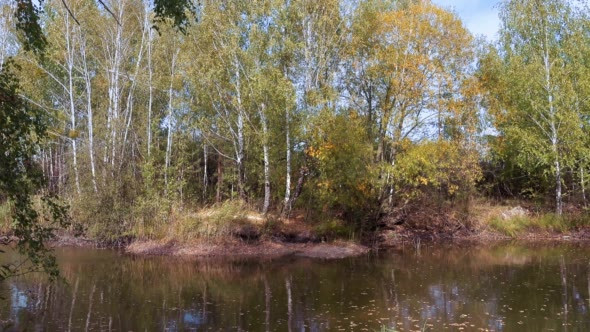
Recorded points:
(542, 222)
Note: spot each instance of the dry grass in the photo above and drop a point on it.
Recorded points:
(217, 222)
(5, 217)
(499, 218)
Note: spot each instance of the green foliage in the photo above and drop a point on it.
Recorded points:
(343, 173)
(179, 11)
(104, 216)
(549, 222)
(332, 228)
(22, 130)
(536, 83)
(344, 115)
(434, 168)
(29, 26)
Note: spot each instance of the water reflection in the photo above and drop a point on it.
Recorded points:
(498, 288)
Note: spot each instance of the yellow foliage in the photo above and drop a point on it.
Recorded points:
(440, 166)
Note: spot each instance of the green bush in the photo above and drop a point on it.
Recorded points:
(332, 229)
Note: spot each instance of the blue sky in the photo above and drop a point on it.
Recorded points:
(480, 16)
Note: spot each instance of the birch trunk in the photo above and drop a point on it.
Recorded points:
(583, 185)
(288, 161)
(205, 182)
(129, 107)
(169, 125)
(70, 69)
(240, 147)
(113, 70)
(150, 88)
(89, 115)
(219, 178)
(265, 151)
(552, 122)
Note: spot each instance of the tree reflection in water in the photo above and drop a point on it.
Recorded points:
(501, 287)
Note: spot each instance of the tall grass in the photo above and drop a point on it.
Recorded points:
(5, 217)
(543, 222)
(219, 221)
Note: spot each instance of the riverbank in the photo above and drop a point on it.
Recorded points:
(275, 248)
(233, 229)
(240, 249)
(228, 248)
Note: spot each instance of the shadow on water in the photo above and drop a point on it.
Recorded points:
(499, 288)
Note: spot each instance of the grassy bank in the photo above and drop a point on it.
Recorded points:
(517, 219)
(237, 228)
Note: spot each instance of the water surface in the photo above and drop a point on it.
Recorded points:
(505, 287)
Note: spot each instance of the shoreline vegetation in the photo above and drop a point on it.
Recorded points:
(233, 231)
(303, 127)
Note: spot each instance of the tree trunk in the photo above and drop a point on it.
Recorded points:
(219, 178)
(240, 157)
(240, 147)
(303, 171)
(70, 66)
(128, 114)
(150, 88)
(266, 157)
(583, 185)
(113, 70)
(558, 194)
(552, 122)
(89, 114)
(288, 161)
(169, 136)
(205, 181)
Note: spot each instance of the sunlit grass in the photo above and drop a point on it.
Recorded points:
(215, 222)
(543, 222)
(5, 216)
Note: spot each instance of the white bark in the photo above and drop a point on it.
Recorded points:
(553, 124)
(240, 124)
(129, 107)
(113, 71)
(150, 87)
(265, 151)
(205, 181)
(169, 125)
(288, 162)
(89, 115)
(583, 185)
(70, 71)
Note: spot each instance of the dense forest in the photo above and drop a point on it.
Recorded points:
(345, 114)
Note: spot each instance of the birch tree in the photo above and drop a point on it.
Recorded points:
(531, 76)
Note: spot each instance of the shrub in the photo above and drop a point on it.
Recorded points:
(332, 229)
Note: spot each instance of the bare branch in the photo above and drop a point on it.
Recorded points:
(110, 11)
(70, 12)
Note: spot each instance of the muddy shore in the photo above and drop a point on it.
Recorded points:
(229, 248)
(268, 248)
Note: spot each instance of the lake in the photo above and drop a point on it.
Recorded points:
(502, 287)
